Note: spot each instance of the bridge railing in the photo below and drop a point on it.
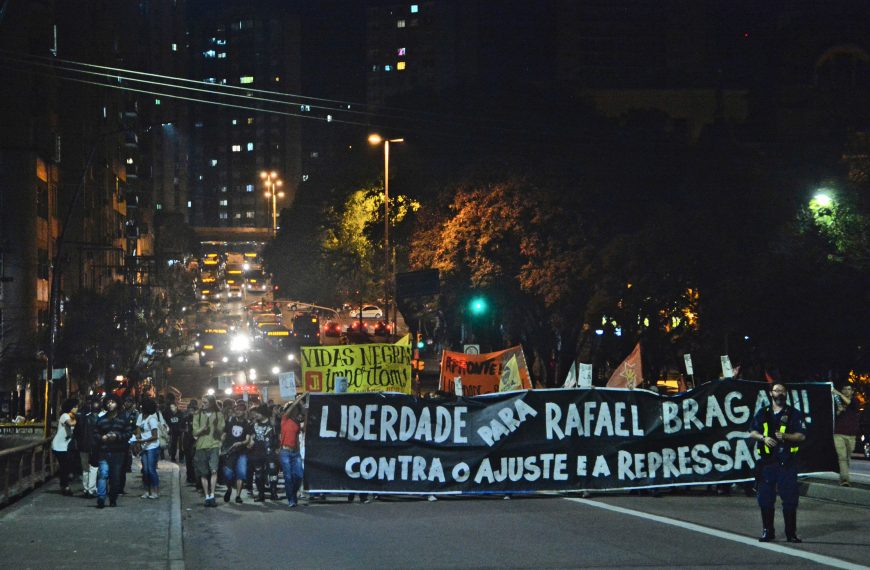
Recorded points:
(24, 468)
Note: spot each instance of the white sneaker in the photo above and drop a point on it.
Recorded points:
(153, 496)
(432, 498)
(145, 496)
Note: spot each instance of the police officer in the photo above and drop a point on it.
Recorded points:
(778, 430)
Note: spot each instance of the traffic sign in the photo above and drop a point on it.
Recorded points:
(471, 349)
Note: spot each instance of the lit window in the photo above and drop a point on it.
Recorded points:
(189, 204)
(401, 52)
(210, 80)
(249, 188)
(221, 42)
(209, 53)
(237, 216)
(174, 47)
(375, 68)
(214, 162)
(157, 101)
(400, 66)
(277, 79)
(158, 206)
(223, 202)
(415, 8)
(237, 148)
(198, 124)
(105, 115)
(246, 79)
(235, 122)
(304, 108)
(224, 216)
(314, 154)
(304, 178)
(329, 118)
(400, 24)
(249, 215)
(129, 161)
(388, 68)
(250, 146)
(199, 177)
(222, 55)
(223, 188)
(250, 120)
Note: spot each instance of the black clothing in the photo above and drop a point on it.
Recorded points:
(118, 429)
(83, 432)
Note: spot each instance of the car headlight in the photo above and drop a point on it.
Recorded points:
(225, 359)
(291, 357)
(241, 358)
(240, 343)
(196, 344)
(202, 353)
(276, 370)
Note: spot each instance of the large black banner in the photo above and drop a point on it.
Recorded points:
(550, 439)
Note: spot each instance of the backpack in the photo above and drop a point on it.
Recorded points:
(162, 431)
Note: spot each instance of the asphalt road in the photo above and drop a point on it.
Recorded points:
(696, 530)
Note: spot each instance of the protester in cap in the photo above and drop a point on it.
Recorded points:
(63, 447)
(261, 451)
(148, 441)
(847, 425)
(110, 447)
(234, 447)
(292, 423)
(84, 433)
(778, 430)
(189, 443)
(208, 427)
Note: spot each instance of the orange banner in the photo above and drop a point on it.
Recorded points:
(481, 373)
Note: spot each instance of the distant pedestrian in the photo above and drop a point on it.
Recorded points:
(62, 445)
(188, 443)
(129, 414)
(778, 430)
(234, 448)
(110, 446)
(292, 423)
(174, 419)
(847, 426)
(84, 433)
(208, 426)
(148, 440)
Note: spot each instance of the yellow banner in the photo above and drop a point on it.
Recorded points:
(366, 367)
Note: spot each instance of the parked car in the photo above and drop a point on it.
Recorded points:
(368, 312)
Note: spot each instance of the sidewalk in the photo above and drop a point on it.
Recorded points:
(826, 486)
(48, 530)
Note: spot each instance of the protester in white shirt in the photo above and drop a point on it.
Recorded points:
(148, 439)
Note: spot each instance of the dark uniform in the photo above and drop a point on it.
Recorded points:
(776, 469)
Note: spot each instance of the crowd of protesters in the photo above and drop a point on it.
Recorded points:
(99, 440)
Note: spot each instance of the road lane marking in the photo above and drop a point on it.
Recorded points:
(813, 557)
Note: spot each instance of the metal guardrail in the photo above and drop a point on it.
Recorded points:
(25, 467)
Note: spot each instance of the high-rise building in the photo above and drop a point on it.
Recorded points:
(30, 151)
(255, 47)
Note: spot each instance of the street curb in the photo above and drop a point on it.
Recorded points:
(857, 496)
(176, 540)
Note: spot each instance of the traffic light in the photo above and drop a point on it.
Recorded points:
(420, 343)
(478, 305)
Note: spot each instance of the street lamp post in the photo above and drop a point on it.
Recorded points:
(272, 182)
(376, 139)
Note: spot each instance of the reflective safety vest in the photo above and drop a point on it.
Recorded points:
(761, 448)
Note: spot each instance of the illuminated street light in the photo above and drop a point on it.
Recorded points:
(376, 139)
(823, 200)
(272, 182)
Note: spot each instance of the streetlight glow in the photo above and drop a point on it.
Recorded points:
(823, 200)
(272, 182)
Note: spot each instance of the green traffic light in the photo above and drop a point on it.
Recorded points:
(478, 306)
(420, 344)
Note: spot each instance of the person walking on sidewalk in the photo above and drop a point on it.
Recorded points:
(130, 415)
(291, 462)
(846, 428)
(63, 445)
(236, 440)
(84, 433)
(188, 443)
(175, 420)
(110, 446)
(208, 427)
(778, 430)
(148, 440)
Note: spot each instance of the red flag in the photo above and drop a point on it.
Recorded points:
(629, 374)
